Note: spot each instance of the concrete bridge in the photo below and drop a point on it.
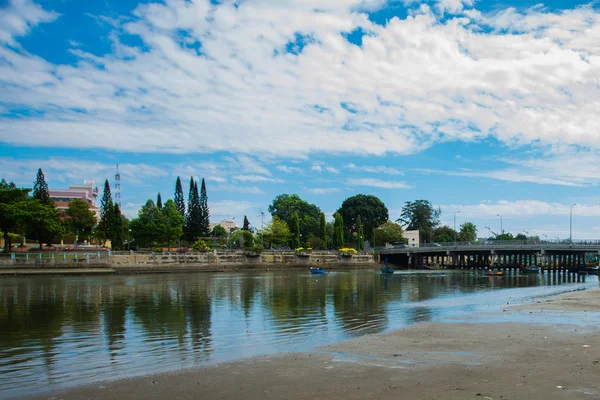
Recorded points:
(503, 254)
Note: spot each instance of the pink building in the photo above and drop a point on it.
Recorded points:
(87, 192)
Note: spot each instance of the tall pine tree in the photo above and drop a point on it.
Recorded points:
(193, 217)
(204, 212)
(338, 231)
(159, 202)
(323, 230)
(246, 224)
(40, 189)
(106, 214)
(179, 200)
(116, 228)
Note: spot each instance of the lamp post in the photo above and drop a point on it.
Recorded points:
(571, 225)
(501, 228)
(455, 226)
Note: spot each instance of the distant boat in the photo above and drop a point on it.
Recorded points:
(593, 270)
(387, 269)
(317, 271)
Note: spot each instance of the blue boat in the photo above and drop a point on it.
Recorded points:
(387, 269)
(317, 271)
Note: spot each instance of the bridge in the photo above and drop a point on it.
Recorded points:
(508, 254)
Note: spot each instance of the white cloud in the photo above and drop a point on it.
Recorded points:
(227, 209)
(379, 183)
(255, 178)
(376, 169)
(70, 170)
(323, 190)
(225, 187)
(317, 168)
(520, 209)
(289, 170)
(536, 86)
(19, 17)
(564, 166)
(332, 170)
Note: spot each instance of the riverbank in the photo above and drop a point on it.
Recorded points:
(545, 350)
(137, 262)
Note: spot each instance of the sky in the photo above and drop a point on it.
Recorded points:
(481, 107)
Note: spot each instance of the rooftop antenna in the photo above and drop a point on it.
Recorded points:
(118, 187)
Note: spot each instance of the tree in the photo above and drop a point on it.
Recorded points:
(173, 222)
(204, 211)
(241, 239)
(11, 199)
(106, 214)
(443, 234)
(338, 231)
(505, 236)
(295, 230)
(369, 208)
(276, 232)
(218, 231)
(193, 216)
(419, 215)
(360, 240)
(41, 221)
(179, 200)
(82, 220)
(323, 231)
(388, 232)
(149, 227)
(40, 189)
(468, 232)
(159, 202)
(246, 224)
(284, 205)
(116, 228)
(521, 237)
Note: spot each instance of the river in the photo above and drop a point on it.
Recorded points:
(58, 332)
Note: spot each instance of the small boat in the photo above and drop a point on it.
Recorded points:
(494, 273)
(530, 270)
(387, 269)
(317, 271)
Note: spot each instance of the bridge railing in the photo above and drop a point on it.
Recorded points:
(497, 243)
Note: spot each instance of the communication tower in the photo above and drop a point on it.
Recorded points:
(118, 187)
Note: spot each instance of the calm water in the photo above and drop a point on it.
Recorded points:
(62, 331)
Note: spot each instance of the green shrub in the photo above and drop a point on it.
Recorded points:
(200, 245)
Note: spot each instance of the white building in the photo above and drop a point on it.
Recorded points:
(228, 224)
(87, 192)
(412, 237)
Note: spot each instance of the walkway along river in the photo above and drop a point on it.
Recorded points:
(57, 332)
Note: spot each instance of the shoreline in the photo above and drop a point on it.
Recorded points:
(146, 269)
(529, 355)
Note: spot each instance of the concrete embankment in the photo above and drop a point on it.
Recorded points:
(132, 262)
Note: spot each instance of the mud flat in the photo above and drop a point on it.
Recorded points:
(544, 350)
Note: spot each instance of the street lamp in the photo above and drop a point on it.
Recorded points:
(455, 226)
(501, 228)
(571, 224)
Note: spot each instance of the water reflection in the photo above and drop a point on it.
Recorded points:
(64, 330)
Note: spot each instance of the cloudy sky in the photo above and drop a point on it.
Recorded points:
(487, 107)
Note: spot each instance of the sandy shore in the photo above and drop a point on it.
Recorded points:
(529, 356)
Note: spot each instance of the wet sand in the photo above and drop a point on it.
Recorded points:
(526, 357)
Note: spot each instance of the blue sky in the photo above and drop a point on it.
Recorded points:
(481, 107)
